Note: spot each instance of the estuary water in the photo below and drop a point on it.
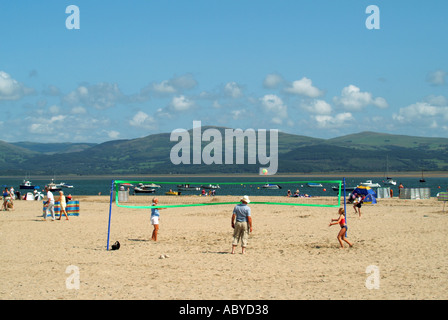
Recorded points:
(232, 185)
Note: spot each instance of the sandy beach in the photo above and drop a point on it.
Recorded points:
(292, 254)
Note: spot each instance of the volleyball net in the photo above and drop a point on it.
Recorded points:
(140, 194)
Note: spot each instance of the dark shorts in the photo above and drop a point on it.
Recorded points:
(344, 226)
(359, 205)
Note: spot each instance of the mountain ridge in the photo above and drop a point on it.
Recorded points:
(364, 151)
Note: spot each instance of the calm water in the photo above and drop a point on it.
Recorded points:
(249, 186)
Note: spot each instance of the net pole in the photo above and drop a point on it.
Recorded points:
(345, 206)
(110, 213)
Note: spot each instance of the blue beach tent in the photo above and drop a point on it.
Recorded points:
(370, 195)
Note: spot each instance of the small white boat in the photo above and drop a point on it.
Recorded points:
(390, 181)
(26, 185)
(53, 186)
(369, 183)
(151, 185)
(187, 187)
(336, 188)
(64, 185)
(314, 185)
(144, 190)
(211, 186)
(271, 186)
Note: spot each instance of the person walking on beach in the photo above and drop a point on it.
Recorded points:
(155, 218)
(341, 222)
(242, 224)
(63, 204)
(358, 204)
(49, 205)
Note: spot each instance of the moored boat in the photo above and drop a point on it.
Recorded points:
(26, 185)
(151, 185)
(314, 185)
(336, 188)
(187, 187)
(64, 185)
(211, 186)
(271, 186)
(369, 183)
(390, 181)
(144, 190)
(53, 186)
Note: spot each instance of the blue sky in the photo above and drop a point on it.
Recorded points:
(135, 68)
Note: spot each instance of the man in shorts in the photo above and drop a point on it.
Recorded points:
(242, 224)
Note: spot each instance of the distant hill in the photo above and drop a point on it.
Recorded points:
(11, 155)
(361, 152)
(52, 148)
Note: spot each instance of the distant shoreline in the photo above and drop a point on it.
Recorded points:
(429, 174)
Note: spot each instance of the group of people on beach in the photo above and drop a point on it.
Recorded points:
(241, 222)
(49, 205)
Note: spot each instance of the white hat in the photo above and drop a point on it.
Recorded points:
(245, 199)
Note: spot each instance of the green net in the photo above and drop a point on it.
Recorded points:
(139, 194)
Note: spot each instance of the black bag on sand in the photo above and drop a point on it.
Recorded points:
(116, 245)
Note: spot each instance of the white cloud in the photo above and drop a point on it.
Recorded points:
(317, 107)
(163, 87)
(436, 100)
(99, 96)
(274, 104)
(142, 120)
(437, 78)
(112, 134)
(422, 112)
(216, 104)
(238, 114)
(304, 87)
(167, 87)
(272, 81)
(54, 109)
(233, 89)
(11, 89)
(79, 110)
(184, 82)
(47, 125)
(181, 103)
(327, 121)
(353, 99)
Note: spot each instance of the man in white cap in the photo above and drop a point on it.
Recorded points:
(241, 223)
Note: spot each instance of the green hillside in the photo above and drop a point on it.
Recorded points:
(52, 148)
(365, 151)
